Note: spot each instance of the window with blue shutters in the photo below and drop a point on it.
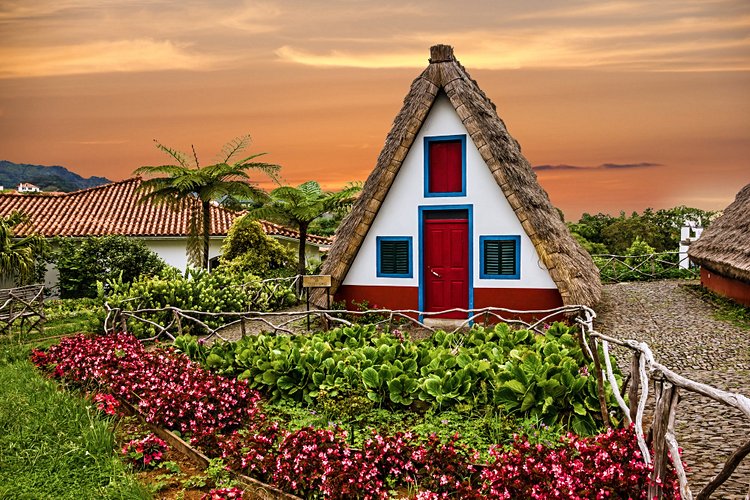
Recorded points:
(500, 257)
(394, 257)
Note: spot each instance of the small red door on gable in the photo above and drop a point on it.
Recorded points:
(445, 167)
(446, 266)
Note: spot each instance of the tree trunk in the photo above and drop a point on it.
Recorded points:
(206, 231)
(301, 256)
(301, 270)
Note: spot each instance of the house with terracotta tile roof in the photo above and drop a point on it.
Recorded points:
(113, 209)
(26, 187)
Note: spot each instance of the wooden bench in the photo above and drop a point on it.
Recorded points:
(25, 303)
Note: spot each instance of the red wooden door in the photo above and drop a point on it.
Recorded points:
(446, 265)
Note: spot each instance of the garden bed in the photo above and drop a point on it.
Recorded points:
(226, 417)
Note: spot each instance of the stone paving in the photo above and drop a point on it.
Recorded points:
(684, 336)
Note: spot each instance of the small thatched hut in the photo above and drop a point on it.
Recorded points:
(453, 216)
(723, 251)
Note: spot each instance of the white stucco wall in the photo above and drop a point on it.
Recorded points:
(492, 214)
(311, 251)
(174, 250)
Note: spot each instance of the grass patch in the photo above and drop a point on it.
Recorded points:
(54, 444)
(725, 309)
(64, 317)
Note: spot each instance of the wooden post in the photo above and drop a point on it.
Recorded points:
(635, 382)
(178, 321)
(242, 326)
(600, 383)
(659, 427)
(674, 449)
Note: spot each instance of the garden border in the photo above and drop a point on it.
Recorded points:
(666, 381)
(259, 488)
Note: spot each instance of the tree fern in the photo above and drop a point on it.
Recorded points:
(184, 183)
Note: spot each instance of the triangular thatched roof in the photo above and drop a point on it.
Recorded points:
(724, 247)
(570, 266)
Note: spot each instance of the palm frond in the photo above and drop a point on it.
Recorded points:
(171, 170)
(311, 189)
(179, 156)
(270, 169)
(233, 147)
(272, 214)
(288, 194)
(196, 163)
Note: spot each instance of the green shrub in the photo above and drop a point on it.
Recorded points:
(220, 291)
(638, 252)
(84, 262)
(247, 249)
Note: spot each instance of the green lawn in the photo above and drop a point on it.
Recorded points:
(54, 444)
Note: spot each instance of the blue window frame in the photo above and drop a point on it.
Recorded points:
(394, 256)
(444, 138)
(500, 257)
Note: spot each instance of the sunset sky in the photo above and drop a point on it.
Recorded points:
(621, 104)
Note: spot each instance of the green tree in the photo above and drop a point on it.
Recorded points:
(638, 252)
(219, 181)
(18, 256)
(82, 263)
(300, 206)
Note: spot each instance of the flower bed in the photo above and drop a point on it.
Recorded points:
(222, 414)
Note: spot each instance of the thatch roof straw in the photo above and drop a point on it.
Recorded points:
(724, 247)
(570, 266)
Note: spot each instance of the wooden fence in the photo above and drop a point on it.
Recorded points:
(617, 268)
(644, 371)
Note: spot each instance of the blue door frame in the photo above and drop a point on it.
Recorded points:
(426, 208)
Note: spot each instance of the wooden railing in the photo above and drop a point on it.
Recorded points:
(644, 370)
(617, 268)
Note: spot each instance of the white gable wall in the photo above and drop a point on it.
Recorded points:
(492, 214)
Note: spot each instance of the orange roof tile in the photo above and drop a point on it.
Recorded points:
(114, 209)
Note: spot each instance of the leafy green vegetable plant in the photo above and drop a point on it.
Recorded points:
(520, 372)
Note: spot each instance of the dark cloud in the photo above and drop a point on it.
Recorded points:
(539, 168)
(644, 164)
(603, 166)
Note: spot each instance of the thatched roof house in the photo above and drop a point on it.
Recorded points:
(492, 190)
(723, 251)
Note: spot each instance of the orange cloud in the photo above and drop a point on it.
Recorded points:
(100, 57)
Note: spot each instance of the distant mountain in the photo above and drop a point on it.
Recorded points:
(46, 178)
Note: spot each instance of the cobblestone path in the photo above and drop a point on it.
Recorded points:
(681, 331)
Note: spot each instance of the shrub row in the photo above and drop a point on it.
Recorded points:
(220, 291)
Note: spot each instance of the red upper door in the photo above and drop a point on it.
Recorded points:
(446, 265)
